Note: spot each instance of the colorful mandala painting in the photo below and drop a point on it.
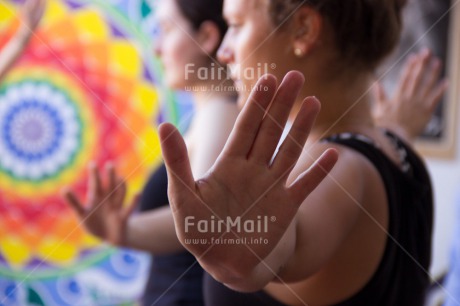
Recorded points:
(86, 89)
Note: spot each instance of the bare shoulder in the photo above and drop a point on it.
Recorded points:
(351, 163)
(353, 183)
(340, 230)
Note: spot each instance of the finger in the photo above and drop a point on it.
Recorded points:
(418, 71)
(27, 6)
(119, 193)
(294, 143)
(180, 177)
(74, 202)
(31, 14)
(111, 174)
(113, 183)
(433, 74)
(406, 73)
(248, 122)
(27, 10)
(38, 14)
(310, 179)
(275, 120)
(436, 96)
(94, 182)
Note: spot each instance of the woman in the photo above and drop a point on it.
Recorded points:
(363, 236)
(190, 34)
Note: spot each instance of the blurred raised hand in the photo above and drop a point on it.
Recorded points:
(103, 215)
(29, 17)
(420, 89)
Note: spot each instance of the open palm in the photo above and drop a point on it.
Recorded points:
(245, 183)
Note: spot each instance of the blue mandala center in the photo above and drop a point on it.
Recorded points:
(40, 131)
(33, 131)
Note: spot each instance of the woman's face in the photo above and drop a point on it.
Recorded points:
(176, 46)
(252, 46)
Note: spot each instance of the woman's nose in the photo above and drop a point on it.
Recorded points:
(225, 54)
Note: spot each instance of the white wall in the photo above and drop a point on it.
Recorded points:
(445, 175)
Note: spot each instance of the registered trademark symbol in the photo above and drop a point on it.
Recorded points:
(273, 219)
(273, 66)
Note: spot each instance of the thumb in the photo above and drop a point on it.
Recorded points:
(180, 177)
(74, 202)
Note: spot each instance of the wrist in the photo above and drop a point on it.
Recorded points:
(22, 36)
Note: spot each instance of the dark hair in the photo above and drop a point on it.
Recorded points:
(199, 11)
(366, 31)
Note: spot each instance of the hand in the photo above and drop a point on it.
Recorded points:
(103, 215)
(244, 183)
(30, 16)
(412, 105)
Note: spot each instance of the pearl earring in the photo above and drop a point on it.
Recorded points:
(298, 52)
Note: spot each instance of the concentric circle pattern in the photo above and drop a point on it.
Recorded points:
(40, 131)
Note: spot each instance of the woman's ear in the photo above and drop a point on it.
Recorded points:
(307, 26)
(209, 37)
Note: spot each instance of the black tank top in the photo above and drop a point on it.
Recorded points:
(176, 279)
(401, 278)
